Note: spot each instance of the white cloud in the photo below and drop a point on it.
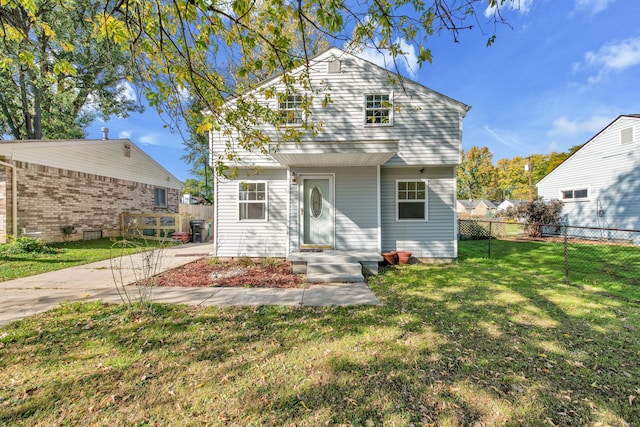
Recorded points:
(522, 6)
(125, 134)
(407, 62)
(592, 6)
(564, 127)
(611, 57)
(127, 92)
(149, 140)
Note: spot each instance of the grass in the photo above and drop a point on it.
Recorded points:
(70, 254)
(478, 342)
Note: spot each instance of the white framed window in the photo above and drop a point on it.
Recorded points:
(159, 197)
(290, 107)
(626, 136)
(378, 109)
(574, 195)
(411, 200)
(252, 201)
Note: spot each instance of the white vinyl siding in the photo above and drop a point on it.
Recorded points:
(426, 124)
(263, 238)
(252, 201)
(100, 157)
(356, 221)
(609, 171)
(435, 238)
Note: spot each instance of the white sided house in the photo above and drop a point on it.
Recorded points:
(379, 176)
(599, 184)
(82, 184)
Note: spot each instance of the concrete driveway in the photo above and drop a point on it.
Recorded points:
(23, 297)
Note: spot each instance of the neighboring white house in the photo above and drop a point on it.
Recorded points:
(506, 204)
(379, 176)
(599, 184)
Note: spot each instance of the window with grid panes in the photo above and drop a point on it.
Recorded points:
(252, 201)
(411, 200)
(377, 109)
(290, 107)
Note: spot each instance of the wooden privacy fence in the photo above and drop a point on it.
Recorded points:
(161, 226)
(189, 212)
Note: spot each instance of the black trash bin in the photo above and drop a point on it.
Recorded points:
(197, 227)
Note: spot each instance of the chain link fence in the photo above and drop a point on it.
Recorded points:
(577, 254)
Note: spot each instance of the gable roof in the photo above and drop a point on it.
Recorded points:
(472, 204)
(337, 53)
(631, 116)
(103, 157)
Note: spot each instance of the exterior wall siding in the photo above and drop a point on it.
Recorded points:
(434, 238)
(50, 198)
(611, 173)
(356, 220)
(426, 124)
(5, 211)
(236, 238)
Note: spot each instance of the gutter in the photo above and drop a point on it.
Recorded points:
(14, 198)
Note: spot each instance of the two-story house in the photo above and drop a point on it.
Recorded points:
(379, 176)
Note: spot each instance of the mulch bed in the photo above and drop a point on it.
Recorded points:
(232, 273)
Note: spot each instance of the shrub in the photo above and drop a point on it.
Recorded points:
(26, 245)
(536, 214)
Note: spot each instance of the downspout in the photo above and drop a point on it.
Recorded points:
(14, 198)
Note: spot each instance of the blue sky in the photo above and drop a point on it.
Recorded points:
(557, 76)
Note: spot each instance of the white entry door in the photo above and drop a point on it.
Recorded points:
(317, 213)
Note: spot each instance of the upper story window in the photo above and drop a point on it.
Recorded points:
(378, 109)
(290, 107)
(626, 136)
(159, 197)
(252, 201)
(411, 198)
(575, 195)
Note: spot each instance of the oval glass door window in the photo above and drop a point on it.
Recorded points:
(316, 202)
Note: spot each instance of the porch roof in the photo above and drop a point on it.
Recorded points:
(323, 153)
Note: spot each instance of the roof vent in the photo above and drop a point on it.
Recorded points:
(626, 136)
(105, 133)
(334, 66)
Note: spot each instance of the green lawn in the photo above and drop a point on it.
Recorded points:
(70, 254)
(478, 342)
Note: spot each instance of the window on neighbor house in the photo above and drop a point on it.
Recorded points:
(580, 194)
(626, 136)
(378, 109)
(290, 107)
(411, 198)
(159, 197)
(252, 201)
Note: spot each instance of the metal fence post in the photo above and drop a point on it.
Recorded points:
(566, 253)
(490, 222)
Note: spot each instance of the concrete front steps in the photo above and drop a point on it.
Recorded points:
(335, 266)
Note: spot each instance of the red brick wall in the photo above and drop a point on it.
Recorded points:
(50, 198)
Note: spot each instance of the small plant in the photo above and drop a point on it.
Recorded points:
(270, 262)
(245, 261)
(67, 231)
(26, 245)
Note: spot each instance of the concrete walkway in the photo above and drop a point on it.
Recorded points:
(34, 294)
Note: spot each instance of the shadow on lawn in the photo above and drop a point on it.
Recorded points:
(450, 345)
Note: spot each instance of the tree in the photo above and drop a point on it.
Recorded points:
(186, 46)
(56, 76)
(476, 175)
(536, 214)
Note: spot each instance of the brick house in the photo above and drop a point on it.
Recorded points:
(84, 184)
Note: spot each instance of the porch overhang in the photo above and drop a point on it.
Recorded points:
(321, 153)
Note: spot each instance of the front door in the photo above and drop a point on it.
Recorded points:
(317, 213)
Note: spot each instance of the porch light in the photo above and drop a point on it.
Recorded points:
(294, 178)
